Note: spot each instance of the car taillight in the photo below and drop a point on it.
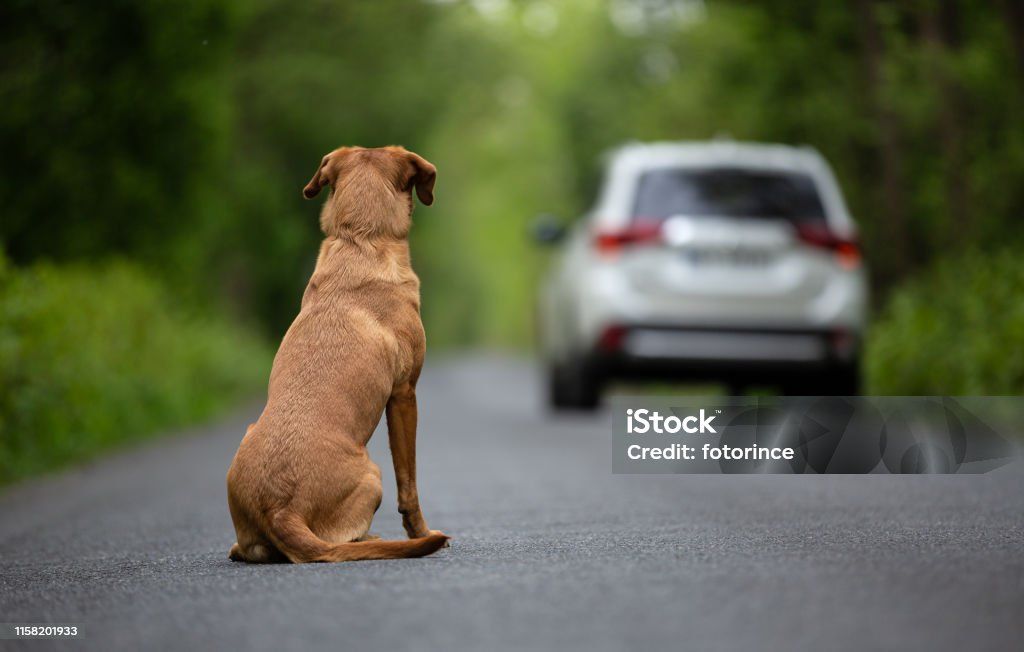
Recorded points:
(846, 250)
(843, 343)
(611, 339)
(613, 241)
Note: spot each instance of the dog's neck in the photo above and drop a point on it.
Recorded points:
(366, 222)
(368, 247)
(352, 260)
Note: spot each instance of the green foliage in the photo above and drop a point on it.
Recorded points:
(114, 126)
(179, 134)
(958, 329)
(94, 356)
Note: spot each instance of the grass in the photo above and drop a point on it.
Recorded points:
(956, 330)
(95, 356)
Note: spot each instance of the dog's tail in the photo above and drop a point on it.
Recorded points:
(299, 544)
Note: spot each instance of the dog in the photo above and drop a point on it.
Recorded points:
(301, 487)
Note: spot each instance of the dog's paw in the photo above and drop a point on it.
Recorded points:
(447, 543)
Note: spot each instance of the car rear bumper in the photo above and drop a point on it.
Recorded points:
(724, 346)
(697, 353)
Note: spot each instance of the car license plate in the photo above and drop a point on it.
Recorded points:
(729, 257)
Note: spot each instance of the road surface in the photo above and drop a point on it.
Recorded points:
(550, 550)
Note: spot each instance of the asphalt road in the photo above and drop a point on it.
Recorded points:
(550, 550)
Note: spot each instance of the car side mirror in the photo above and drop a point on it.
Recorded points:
(547, 229)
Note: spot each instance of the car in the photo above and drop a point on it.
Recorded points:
(705, 261)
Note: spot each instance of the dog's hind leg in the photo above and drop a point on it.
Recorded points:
(353, 516)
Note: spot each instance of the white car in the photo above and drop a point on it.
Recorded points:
(706, 261)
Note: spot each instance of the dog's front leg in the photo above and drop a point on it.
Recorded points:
(401, 416)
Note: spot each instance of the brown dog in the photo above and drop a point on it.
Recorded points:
(302, 487)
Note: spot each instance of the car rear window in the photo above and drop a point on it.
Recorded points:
(728, 192)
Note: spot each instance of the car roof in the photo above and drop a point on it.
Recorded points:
(717, 152)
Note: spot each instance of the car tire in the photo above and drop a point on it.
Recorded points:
(574, 385)
(843, 380)
(838, 380)
(734, 388)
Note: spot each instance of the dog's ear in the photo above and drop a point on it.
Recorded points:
(423, 176)
(319, 180)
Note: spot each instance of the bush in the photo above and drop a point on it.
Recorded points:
(957, 330)
(91, 356)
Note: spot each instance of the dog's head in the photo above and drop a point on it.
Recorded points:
(371, 189)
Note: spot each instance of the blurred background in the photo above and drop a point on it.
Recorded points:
(155, 243)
